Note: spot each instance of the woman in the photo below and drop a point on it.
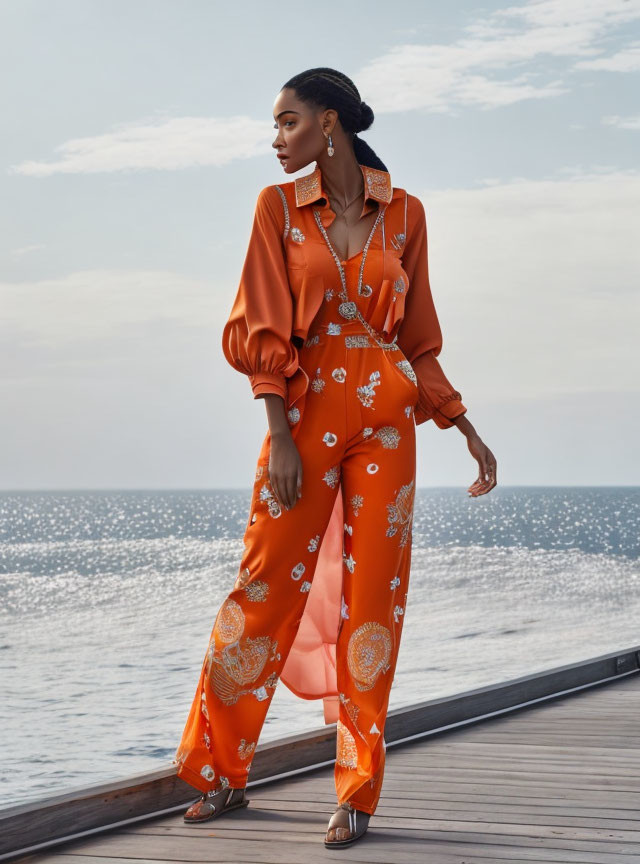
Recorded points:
(334, 324)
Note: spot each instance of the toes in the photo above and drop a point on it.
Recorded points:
(339, 833)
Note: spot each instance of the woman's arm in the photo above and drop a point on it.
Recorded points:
(256, 339)
(285, 465)
(420, 339)
(420, 336)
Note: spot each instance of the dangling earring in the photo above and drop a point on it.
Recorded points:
(330, 150)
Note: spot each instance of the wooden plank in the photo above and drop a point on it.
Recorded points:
(387, 837)
(455, 794)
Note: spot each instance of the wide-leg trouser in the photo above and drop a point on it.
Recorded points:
(357, 433)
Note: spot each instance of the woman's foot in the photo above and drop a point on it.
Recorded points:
(346, 826)
(215, 802)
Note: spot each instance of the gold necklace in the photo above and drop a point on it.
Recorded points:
(344, 209)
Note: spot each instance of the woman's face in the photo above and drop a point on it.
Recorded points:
(299, 135)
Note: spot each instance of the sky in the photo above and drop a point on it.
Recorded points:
(136, 137)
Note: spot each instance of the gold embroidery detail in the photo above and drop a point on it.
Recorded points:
(237, 665)
(368, 654)
(229, 624)
(346, 749)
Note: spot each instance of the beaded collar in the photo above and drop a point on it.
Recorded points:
(377, 185)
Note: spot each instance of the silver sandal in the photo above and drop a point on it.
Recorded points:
(204, 809)
(348, 825)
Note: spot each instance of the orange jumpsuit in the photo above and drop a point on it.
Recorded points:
(321, 591)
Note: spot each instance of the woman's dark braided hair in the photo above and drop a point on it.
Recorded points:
(327, 88)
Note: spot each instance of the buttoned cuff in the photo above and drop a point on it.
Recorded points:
(268, 382)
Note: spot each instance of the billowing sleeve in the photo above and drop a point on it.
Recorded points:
(420, 336)
(256, 340)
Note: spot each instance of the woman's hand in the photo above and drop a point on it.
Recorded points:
(487, 475)
(285, 469)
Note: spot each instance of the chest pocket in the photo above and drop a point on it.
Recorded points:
(295, 248)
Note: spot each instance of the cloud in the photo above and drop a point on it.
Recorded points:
(26, 250)
(627, 60)
(485, 68)
(161, 144)
(439, 78)
(535, 283)
(87, 306)
(537, 280)
(622, 122)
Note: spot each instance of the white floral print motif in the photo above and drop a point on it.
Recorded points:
(306, 586)
(331, 477)
(399, 514)
(353, 711)
(272, 502)
(318, 383)
(349, 562)
(407, 368)
(344, 609)
(389, 437)
(297, 235)
(372, 468)
(328, 294)
(339, 374)
(256, 591)
(356, 502)
(245, 750)
(330, 439)
(293, 415)
(334, 329)
(208, 773)
(394, 582)
(366, 392)
(368, 430)
(297, 571)
(314, 543)
(397, 611)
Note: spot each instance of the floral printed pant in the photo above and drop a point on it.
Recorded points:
(357, 434)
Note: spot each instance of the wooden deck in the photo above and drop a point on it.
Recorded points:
(557, 781)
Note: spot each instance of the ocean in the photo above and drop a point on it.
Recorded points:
(107, 600)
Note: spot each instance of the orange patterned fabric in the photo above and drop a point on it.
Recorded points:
(319, 599)
(284, 279)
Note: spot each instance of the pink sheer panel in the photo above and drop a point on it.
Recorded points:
(310, 668)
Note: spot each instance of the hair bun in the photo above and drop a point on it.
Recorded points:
(366, 116)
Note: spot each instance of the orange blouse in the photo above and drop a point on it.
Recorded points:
(289, 267)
